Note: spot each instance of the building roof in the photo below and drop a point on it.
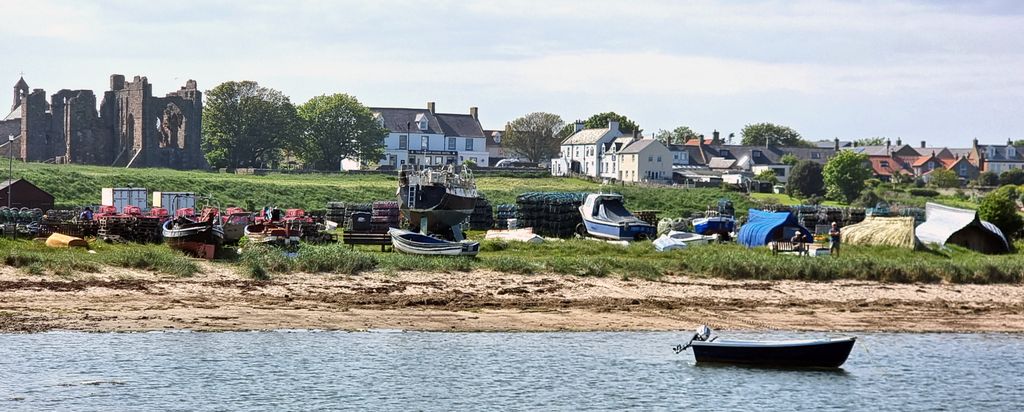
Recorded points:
(721, 163)
(587, 136)
(639, 145)
(14, 115)
(459, 125)
(887, 166)
(21, 84)
(1000, 153)
(399, 120)
(7, 128)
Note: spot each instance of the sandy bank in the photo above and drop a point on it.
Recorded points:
(123, 300)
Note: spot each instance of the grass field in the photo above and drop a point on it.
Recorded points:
(75, 186)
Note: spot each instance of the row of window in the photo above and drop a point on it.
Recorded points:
(403, 143)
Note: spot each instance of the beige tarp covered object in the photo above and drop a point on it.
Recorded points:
(59, 240)
(887, 231)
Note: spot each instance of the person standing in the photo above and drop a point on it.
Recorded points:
(834, 236)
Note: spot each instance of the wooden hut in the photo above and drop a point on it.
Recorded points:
(24, 194)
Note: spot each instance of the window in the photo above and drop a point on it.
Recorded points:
(755, 153)
(650, 158)
(931, 165)
(451, 143)
(724, 152)
(780, 172)
(403, 142)
(991, 151)
(884, 163)
(659, 159)
(424, 142)
(815, 155)
(963, 169)
(1011, 151)
(469, 144)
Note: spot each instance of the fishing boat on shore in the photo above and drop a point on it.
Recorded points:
(198, 235)
(720, 221)
(437, 200)
(605, 216)
(235, 221)
(419, 244)
(674, 240)
(811, 353)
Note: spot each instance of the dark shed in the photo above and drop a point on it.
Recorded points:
(25, 194)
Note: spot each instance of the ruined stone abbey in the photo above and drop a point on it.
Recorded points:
(131, 129)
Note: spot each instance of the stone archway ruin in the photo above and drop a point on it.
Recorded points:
(172, 127)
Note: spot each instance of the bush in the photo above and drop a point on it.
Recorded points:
(1012, 177)
(923, 192)
(987, 179)
(1000, 208)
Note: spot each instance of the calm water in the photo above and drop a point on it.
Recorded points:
(308, 370)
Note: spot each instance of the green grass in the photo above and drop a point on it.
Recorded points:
(35, 258)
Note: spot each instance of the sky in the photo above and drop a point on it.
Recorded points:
(940, 71)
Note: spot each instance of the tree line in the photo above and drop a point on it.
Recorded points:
(247, 125)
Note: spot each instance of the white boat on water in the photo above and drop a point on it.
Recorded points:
(674, 240)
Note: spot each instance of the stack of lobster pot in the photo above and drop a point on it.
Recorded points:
(336, 213)
(385, 215)
(550, 213)
(483, 215)
(504, 213)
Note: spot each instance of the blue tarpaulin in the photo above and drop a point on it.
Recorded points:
(763, 227)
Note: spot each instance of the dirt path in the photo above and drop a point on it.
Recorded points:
(122, 300)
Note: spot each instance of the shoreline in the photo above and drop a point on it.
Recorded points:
(121, 300)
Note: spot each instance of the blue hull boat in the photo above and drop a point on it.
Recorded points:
(604, 216)
(714, 225)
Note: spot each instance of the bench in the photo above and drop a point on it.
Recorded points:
(787, 246)
(367, 238)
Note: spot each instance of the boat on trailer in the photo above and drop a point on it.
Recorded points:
(419, 244)
(605, 216)
(810, 353)
(437, 200)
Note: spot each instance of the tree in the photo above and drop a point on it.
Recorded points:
(600, 121)
(870, 141)
(1018, 143)
(987, 179)
(844, 175)
(789, 159)
(1000, 208)
(338, 127)
(245, 125)
(944, 178)
(1012, 177)
(805, 180)
(756, 134)
(767, 175)
(534, 136)
(679, 135)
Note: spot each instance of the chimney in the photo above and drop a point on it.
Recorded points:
(714, 137)
(923, 144)
(1009, 142)
(974, 143)
(899, 142)
(473, 111)
(614, 125)
(888, 143)
(835, 145)
(578, 126)
(431, 107)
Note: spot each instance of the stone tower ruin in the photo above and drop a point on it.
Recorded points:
(131, 129)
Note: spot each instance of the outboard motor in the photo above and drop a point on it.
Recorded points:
(702, 335)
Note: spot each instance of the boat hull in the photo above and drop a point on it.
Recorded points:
(442, 208)
(200, 239)
(619, 231)
(417, 244)
(272, 235)
(831, 353)
(714, 225)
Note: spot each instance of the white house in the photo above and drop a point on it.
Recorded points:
(423, 137)
(583, 152)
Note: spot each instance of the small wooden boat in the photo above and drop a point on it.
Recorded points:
(196, 235)
(605, 216)
(235, 221)
(419, 244)
(811, 353)
(274, 233)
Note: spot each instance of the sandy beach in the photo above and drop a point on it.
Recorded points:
(219, 300)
